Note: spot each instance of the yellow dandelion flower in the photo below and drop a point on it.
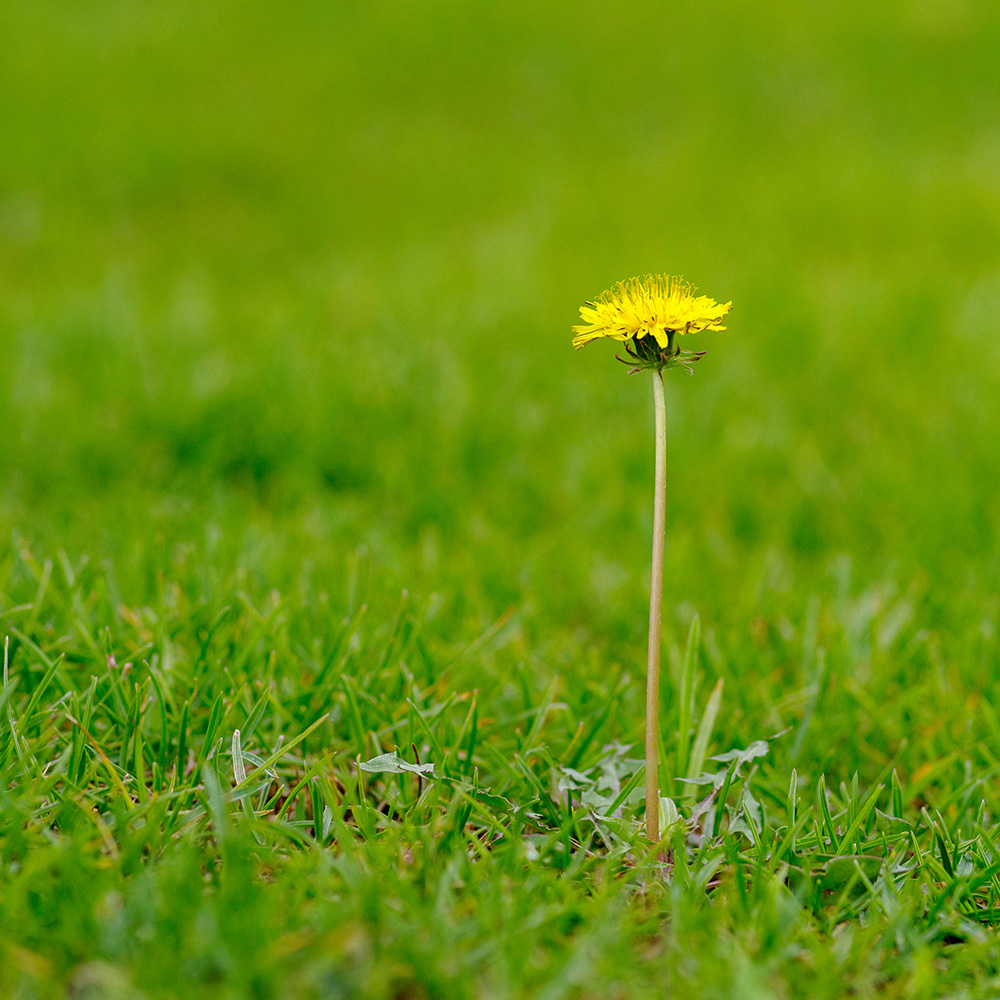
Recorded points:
(657, 305)
(646, 314)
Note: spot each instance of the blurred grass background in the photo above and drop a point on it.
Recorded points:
(329, 254)
(288, 291)
(295, 285)
(285, 298)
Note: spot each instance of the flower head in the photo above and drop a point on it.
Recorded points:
(655, 305)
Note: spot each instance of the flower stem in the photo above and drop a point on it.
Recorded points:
(655, 611)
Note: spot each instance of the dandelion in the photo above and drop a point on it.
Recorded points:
(647, 314)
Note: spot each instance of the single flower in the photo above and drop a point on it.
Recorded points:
(656, 306)
(646, 314)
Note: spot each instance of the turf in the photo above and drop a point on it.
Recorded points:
(293, 443)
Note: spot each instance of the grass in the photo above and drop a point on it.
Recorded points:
(293, 443)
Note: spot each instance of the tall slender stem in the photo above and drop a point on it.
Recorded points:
(655, 611)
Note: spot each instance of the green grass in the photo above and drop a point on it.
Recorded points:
(293, 442)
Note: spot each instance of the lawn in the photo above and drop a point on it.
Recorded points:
(294, 445)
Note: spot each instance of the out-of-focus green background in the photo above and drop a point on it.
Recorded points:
(319, 261)
(285, 306)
